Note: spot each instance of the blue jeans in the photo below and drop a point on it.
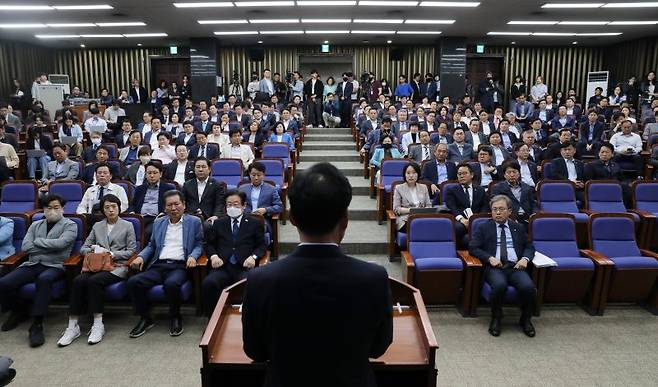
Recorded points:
(32, 166)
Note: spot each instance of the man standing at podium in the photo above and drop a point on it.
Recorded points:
(318, 315)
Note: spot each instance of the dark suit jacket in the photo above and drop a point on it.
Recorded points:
(583, 133)
(308, 90)
(259, 140)
(212, 202)
(89, 154)
(477, 173)
(190, 142)
(212, 152)
(199, 127)
(556, 125)
(528, 198)
(559, 169)
(118, 139)
(456, 125)
(170, 170)
(468, 137)
(535, 115)
(287, 303)
(455, 156)
(45, 142)
(485, 238)
(431, 173)
(140, 194)
(457, 201)
(143, 96)
(250, 239)
(595, 170)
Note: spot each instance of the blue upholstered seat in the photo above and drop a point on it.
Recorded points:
(432, 244)
(614, 237)
(391, 172)
(606, 197)
(19, 196)
(556, 238)
(227, 170)
(560, 197)
(71, 191)
(646, 197)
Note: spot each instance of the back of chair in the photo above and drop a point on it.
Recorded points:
(112, 150)
(277, 150)
(71, 190)
(546, 168)
(613, 236)
(445, 187)
(127, 186)
(604, 197)
(554, 236)
(227, 170)
(274, 170)
(476, 221)
(392, 171)
(557, 197)
(653, 140)
(431, 236)
(18, 196)
(21, 224)
(645, 196)
(138, 225)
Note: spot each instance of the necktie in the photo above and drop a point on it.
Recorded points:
(468, 196)
(101, 193)
(426, 152)
(607, 168)
(234, 231)
(503, 245)
(461, 149)
(203, 151)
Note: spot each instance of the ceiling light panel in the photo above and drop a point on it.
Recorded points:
(276, 32)
(634, 23)
(89, 7)
(419, 32)
(214, 4)
(532, 22)
(572, 5)
(242, 21)
(631, 5)
(420, 21)
(4, 7)
(327, 32)
(264, 3)
(373, 32)
(57, 36)
(70, 25)
(379, 21)
(494, 33)
(121, 24)
(326, 3)
(147, 35)
(389, 3)
(101, 36)
(326, 21)
(452, 4)
(22, 25)
(583, 23)
(273, 21)
(220, 33)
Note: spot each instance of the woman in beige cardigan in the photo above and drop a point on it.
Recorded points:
(409, 195)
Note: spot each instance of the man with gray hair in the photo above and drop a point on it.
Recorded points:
(502, 246)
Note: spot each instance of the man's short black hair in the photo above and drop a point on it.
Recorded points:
(319, 197)
(233, 131)
(104, 165)
(511, 164)
(201, 158)
(566, 144)
(257, 165)
(51, 198)
(608, 145)
(155, 165)
(235, 192)
(486, 148)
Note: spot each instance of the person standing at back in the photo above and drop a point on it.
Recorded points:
(317, 316)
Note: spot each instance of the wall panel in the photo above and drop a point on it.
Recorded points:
(24, 62)
(633, 58)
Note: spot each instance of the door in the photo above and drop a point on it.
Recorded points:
(478, 66)
(169, 69)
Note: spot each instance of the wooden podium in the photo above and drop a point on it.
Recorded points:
(409, 361)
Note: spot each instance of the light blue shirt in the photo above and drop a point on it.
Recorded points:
(255, 195)
(150, 206)
(442, 172)
(511, 253)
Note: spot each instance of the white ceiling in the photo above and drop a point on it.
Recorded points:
(180, 24)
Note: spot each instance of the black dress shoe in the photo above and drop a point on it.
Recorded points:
(494, 327)
(6, 379)
(14, 319)
(527, 327)
(176, 326)
(142, 326)
(36, 335)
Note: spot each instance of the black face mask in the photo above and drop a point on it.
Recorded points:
(344, 78)
(387, 146)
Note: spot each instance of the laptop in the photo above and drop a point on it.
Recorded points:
(423, 210)
(68, 140)
(36, 153)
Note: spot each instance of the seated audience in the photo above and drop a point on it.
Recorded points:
(102, 157)
(164, 152)
(459, 151)
(262, 198)
(280, 135)
(203, 195)
(521, 195)
(386, 150)
(148, 200)
(236, 150)
(331, 114)
(187, 137)
(438, 169)
(201, 148)
(130, 152)
(62, 168)
(70, 129)
(254, 135)
(408, 195)
(485, 171)
(411, 137)
(424, 151)
(568, 168)
(93, 195)
(36, 140)
(217, 136)
(181, 169)
(500, 153)
(464, 200)
(6, 237)
(628, 146)
(590, 135)
(528, 169)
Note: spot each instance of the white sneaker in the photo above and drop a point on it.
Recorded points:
(96, 334)
(69, 335)
(320, 126)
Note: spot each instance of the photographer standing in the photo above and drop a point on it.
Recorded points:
(313, 91)
(235, 88)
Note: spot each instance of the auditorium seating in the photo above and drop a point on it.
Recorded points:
(559, 196)
(434, 266)
(71, 190)
(127, 186)
(275, 172)
(230, 171)
(390, 172)
(633, 276)
(396, 240)
(281, 150)
(21, 224)
(19, 196)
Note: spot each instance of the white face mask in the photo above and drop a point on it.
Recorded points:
(53, 216)
(234, 212)
(144, 159)
(96, 141)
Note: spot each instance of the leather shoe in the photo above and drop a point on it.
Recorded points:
(527, 327)
(14, 319)
(142, 326)
(6, 379)
(494, 327)
(176, 326)
(36, 335)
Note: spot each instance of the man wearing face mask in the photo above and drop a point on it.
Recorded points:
(89, 153)
(48, 242)
(235, 244)
(137, 171)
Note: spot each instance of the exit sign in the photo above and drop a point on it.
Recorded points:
(173, 50)
(324, 48)
(479, 49)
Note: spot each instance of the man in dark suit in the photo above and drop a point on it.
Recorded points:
(201, 148)
(459, 150)
(528, 169)
(123, 139)
(590, 135)
(204, 195)
(562, 120)
(522, 196)
(464, 200)
(289, 307)
(535, 153)
(503, 248)
(102, 156)
(553, 151)
(138, 93)
(344, 91)
(236, 243)
(438, 170)
(262, 198)
(485, 171)
(89, 153)
(173, 172)
(568, 168)
(148, 199)
(313, 96)
(604, 168)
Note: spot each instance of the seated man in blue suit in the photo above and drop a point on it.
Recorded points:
(439, 170)
(148, 199)
(522, 196)
(174, 247)
(262, 198)
(503, 247)
(235, 245)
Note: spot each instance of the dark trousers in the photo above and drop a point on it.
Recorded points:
(346, 112)
(148, 226)
(43, 276)
(635, 160)
(89, 290)
(315, 111)
(461, 233)
(216, 281)
(500, 278)
(171, 275)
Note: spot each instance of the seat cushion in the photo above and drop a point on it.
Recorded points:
(635, 262)
(573, 263)
(401, 240)
(117, 291)
(58, 289)
(511, 294)
(439, 263)
(157, 293)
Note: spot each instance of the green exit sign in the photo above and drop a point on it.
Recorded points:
(479, 49)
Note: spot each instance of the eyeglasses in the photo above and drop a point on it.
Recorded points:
(499, 209)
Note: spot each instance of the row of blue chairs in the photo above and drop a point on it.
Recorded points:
(614, 269)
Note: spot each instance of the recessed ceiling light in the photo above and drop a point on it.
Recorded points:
(82, 7)
(328, 32)
(214, 4)
(57, 36)
(276, 32)
(240, 21)
(393, 3)
(632, 5)
(260, 42)
(326, 42)
(419, 32)
(510, 33)
(236, 32)
(326, 20)
(574, 42)
(377, 32)
(389, 41)
(330, 2)
(102, 36)
(572, 5)
(553, 34)
(139, 45)
(25, 7)
(70, 25)
(429, 21)
(147, 35)
(22, 25)
(455, 4)
(633, 23)
(532, 22)
(121, 24)
(584, 23)
(379, 21)
(512, 43)
(598, 34)
(265, 4)
(82, 46)
(273, 21)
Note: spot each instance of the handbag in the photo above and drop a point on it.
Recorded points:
(95, 262)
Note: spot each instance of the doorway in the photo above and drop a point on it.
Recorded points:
(477, 67)
(326, 65)
(169, 69)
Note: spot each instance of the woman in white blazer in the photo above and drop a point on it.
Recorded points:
(113, 235)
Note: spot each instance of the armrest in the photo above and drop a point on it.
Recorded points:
(264, 260)
(202, 260)
(73, 260)
(643, 214)
(14, 260)
(391, 215)
(598, 258)
(468, 259)
(408, 260)
(647, 253)
(588, 212)
(274, 217)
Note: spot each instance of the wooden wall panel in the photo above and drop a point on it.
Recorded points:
(23, 62)
(635, 58)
